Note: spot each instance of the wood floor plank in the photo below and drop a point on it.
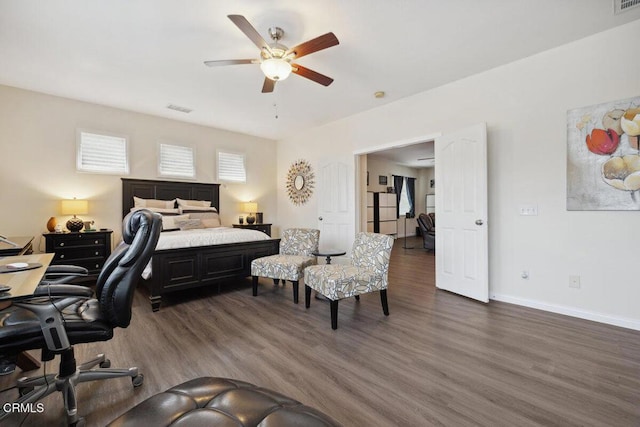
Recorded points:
(438, 359)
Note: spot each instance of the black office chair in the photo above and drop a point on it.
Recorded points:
(428, 231)
(63, 274)
(64, 316)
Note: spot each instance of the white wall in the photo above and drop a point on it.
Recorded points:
(38, 146)
(525, 107)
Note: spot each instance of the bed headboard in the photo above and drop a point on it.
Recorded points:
(167, 190)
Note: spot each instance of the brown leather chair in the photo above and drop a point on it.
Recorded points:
(211, 401)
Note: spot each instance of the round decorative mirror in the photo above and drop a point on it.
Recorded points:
(300, 182)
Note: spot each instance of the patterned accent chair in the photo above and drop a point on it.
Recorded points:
(368, 272)
(296, 253)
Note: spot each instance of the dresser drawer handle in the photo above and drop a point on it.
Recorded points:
(97, 253)
(96, 242)
(62, 256)
(97, 265)
(62, 244)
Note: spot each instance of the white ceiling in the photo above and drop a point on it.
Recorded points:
(418, 155)
(142, 55)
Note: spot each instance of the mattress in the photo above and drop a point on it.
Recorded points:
(203, 237)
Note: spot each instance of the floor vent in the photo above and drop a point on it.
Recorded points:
(185, 109)
(620, 6)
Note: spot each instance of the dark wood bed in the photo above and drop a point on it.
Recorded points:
(187, 268)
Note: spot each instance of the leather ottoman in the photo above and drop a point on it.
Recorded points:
(221, 402)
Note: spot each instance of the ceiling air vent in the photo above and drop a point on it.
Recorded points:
(183, 109)
(620, 6)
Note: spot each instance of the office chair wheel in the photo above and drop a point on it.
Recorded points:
(24, 390)
(137, 380)
(80, 423)
(106, 363)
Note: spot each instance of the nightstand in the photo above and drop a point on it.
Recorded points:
(265, 228)
(86, 249)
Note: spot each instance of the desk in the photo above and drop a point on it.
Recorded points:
(23, 283)
(25, 246)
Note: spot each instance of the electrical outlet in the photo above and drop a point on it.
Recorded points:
(574, 282)
(528, 210)
(525, 274)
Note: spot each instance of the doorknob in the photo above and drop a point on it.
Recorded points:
(320, 218)
(479, 222)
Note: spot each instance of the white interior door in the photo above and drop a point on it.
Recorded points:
(336, 207)
(461, 213)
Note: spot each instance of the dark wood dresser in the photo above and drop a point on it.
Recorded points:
(86, 249)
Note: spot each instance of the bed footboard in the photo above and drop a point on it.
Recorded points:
(180, 269)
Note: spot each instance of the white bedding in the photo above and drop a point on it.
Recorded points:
(203, 237)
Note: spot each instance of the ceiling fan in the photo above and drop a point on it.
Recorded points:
(276, 60)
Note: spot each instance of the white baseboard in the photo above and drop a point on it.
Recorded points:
(570, 311)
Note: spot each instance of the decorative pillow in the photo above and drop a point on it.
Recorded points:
(197, 203)
(211, 222)
(153, 203)
(163, 211)
(189, 224)
(169, 221)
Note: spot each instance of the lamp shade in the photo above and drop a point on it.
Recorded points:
(276, 68)
(250, 207)
(74, 207)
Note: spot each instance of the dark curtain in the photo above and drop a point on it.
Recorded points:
(397, 186)
(411, 194)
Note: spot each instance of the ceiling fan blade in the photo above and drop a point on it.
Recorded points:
(228, 62)
(268, 85)
(311, 75)
(244, 25)
(311, 46)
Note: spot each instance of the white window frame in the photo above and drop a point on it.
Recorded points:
(173, 174)
(227, 178)
(81, 149)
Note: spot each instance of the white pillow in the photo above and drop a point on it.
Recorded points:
(169, 221)
(194, 203)
(189, 224)
(211, 222)
(153, 203)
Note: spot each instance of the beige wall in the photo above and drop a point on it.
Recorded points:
(525, 107)
(38, 146)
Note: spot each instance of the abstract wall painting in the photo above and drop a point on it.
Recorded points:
(603, 156)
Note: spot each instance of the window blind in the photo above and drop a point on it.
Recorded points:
(102, 153)
(176, 161)
(231, 167)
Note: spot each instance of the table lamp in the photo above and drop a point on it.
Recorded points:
(75, 207)
(251, 208)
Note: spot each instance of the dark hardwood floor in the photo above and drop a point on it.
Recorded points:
(437, 360)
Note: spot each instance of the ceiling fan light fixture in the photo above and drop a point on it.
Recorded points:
(276, 68)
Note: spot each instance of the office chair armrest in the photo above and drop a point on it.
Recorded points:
(62, 290)
(66, 270)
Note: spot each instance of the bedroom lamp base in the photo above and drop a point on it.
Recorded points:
(251, 219)
(75, 224)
